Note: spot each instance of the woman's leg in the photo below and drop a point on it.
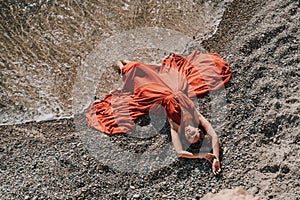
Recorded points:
(124, 62)
(118, 65)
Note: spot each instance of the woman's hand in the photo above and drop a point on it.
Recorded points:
(210, 157)
(216, 166)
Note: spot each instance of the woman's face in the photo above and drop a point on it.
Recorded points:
(192, 134)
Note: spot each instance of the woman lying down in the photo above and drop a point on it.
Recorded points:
(165, 88)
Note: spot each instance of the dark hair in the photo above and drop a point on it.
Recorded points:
(186, 145)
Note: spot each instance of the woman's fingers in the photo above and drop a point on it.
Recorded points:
(214, 170)
(215, 163)
(216, 167)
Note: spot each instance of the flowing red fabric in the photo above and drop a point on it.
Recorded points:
(165, 88)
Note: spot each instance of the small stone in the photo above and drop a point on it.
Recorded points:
(253, 190)
(132, 187)
(35, 198)
(135, 196)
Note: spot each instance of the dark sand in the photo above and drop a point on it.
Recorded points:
(260, 135)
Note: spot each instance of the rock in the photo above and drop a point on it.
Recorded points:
(253, 190)
(35, 198)
(232, 194)
(132, 187)
(135, 196)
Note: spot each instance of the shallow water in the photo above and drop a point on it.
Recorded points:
(51, 51)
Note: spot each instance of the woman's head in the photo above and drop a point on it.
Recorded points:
(192, 134)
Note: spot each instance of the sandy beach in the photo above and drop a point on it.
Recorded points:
(259, 134)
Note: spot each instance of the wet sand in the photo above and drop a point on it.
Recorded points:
(259, 136)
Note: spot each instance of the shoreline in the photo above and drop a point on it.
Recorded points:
(211, 44)
(48, 159)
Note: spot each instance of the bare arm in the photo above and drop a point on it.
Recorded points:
(215, 141)
(209, 129)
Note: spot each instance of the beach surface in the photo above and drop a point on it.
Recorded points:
(259, 132)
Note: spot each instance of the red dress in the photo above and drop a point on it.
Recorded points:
(158, 88)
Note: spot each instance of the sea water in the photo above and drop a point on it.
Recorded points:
(45, 47)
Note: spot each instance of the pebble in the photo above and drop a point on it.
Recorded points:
(253, 190)
(163, 183)
(135, 196)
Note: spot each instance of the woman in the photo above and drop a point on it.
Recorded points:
(165, 89)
